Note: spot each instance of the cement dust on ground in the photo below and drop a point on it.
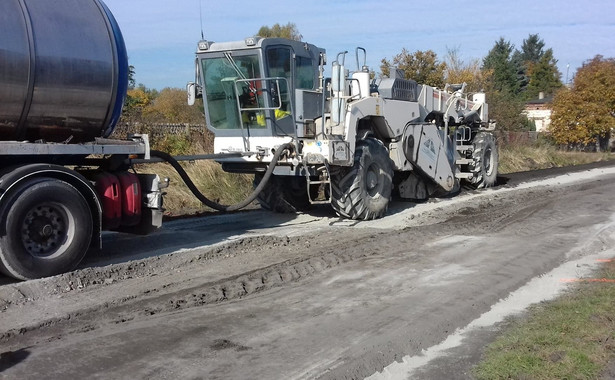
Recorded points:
(259, 295)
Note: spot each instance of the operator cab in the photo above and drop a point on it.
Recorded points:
(250, 87)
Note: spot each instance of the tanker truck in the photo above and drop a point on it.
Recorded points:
(63, 82)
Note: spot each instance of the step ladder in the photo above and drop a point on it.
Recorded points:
(324, 178)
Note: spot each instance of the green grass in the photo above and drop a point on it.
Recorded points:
(572, 337)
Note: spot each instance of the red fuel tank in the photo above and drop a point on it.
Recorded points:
(131, 198)
(108, 188)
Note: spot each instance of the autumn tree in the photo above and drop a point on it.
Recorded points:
(458, 71)
(137, 99)
(584, 114)
(289, 31)
(170, 106)
(420, 66)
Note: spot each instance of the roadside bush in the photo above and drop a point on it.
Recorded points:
(175, 145)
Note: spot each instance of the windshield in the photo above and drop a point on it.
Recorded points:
(221, 85)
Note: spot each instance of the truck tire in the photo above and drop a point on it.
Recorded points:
(363, 191)
(46, 229)
(485, 161)
(283, 194)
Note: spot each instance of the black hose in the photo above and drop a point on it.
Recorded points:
(214, 205)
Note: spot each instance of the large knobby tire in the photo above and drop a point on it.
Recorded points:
(363, 192)
(46, 229)
(283, 194)
(485, 161)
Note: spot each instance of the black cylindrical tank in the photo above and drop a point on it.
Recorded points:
(63, 70)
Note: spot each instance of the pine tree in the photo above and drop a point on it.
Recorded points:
(503, 71)
(545, 77)
(537, 69)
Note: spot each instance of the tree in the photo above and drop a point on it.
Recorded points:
(501, 68)
(170, 106)
(421, 66)
(458, 71)
(536, 68)
(288, 31)
(584, 114)
(137, 99)
(532, 49)
(544, 77)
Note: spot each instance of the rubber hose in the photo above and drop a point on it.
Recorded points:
(208, 202)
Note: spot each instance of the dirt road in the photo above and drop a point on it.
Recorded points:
(263, 296)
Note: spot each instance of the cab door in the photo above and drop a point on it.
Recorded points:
(280, 68)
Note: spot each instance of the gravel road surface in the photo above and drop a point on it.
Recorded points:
(255, 295)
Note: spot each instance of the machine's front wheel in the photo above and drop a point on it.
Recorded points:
(46, 229)
(485, 161)
(363, 191)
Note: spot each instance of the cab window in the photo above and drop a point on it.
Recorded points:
(305, 73)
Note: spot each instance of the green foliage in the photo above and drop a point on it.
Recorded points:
(544, 77)
(531, 52)
(532, 49)
(506, 109)
(288, 31)
(529, 125)
(584, 113)
(536, 69)
(503, 70)
(173, 144)
(421, 66)
(514, 76)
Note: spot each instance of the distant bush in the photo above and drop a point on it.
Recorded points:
(175, 139)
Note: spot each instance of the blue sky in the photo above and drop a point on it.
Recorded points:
(161, 35)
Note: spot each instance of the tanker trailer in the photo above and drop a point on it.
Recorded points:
(63, 82)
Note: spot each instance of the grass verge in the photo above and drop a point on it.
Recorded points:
(572, 337)
(209, 178)
(520, 158)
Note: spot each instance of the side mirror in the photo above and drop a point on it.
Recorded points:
(191, 90)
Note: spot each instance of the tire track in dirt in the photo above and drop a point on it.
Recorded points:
(161, 300)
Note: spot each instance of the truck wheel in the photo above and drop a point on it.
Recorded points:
(46, 229)
(485, 161)
(283, 194)
(363, 192)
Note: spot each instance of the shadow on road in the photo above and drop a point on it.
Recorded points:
(12, 358)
